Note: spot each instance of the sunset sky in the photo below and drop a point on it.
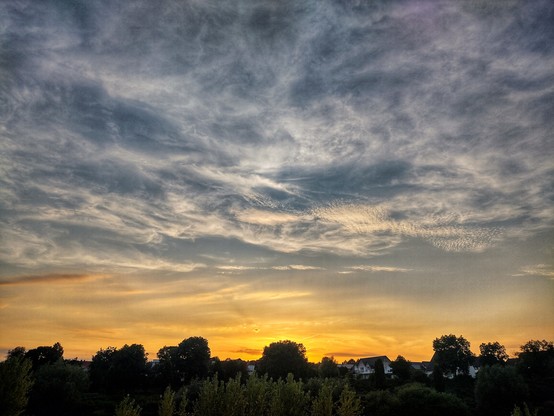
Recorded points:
(358, 176)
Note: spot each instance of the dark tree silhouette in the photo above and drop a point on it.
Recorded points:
(15, 383)
(452, 354)
(193, 358)
(328, 368)
(167, 367)
(536, 358)
(380, 379)
(401, 368)
(100, 367)
(498, 389)
(492, 353)
(45, 355)
(117, 370)
(58, 390)
(283, 357)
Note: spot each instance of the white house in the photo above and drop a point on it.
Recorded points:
(366, 366)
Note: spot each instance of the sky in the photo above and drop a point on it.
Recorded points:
(358, 176)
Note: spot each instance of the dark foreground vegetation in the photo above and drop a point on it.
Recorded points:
(186, 380)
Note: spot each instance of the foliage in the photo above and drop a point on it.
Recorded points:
(15, 383)
(210, 399)
(349, 403)
(381, 403)
(524, 411)
(100, 367)
(257, 394)
(492, 353)
(283, 357)
(183, 403)
(536, 358)
(401, 368)
(166, 368)
(415, 400)
(167, 403)
(234, 401)
(118, 370)
(193, 358)
(288, 398)
(452, 354)
(328, 368)
(380, 379)
(322, 405)
(59, 389)
(45, 355)
(127, 407)
(498, 389)
(438, 380)
(229, 369)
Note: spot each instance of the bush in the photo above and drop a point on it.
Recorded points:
(127, 407)
(498, 389)
(416, 400)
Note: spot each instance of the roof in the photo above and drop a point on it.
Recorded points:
(371, 360)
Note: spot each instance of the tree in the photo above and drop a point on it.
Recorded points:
(59, 389)
(167, 366)
(323, 403)
(349, 403)
(17, 352)
(15, 383)
(452, 354)
(100, 367)
(128, 407)
(45, 355)
(492, 353)
(283, 357)
(128, 368)
(536, 358)
(117, 370)
(498, 389)
(193, 358)
(166, 407)
(401, 368)
(438, 379)
(418, 400)
(328, 368)
(380, 379)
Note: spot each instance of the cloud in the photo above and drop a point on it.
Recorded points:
(368, 268)
(542, 270)
(49, 279)
(441, 231)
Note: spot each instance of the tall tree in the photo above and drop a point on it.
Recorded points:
(380, 379)
(492, 353)
(100, 367)
(167, 366)
(452, 354)
(15, 383)
(283, 357)
(193, 358)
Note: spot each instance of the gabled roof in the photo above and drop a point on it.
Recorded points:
(371, 360)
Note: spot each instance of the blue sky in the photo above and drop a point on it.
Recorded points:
(358, 176)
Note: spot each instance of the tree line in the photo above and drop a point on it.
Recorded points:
(186, 380)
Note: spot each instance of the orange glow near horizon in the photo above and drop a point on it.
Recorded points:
(88, 312)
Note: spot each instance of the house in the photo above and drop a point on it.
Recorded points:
(366, 366)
